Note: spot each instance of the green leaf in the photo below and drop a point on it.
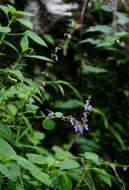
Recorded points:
(4, 9)
(91, 156)
(58, 114)
(70, 104)
(34, 170)
(106, 179)
(69, 164)
(86, 69)
(106, 8)
(14, 169)
(36, 137)
(48, 124)
(10, 45)
(70, 86)
(9, 153)
(24, 43)
(37, 158)
(23, 13)
(13, 110)
(5, 132)
(118, 137)
(39, 57)
(5, 29)
(90, 40)
(122, 18)
(101, 28)
(35, 38)
(6, 172)
(25, 22)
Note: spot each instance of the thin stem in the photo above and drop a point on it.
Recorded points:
(84, 7)
(72, 142)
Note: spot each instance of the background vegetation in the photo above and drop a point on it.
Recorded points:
(45, 80)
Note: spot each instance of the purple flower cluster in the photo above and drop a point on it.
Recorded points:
(79, 126)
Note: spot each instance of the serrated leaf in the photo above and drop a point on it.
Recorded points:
(37, 158)
(48, 124)
(39, 57)
(35, 38)
(25, 22)
(69, 164)
(5, 29)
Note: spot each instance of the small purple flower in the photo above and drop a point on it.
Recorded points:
(30, 102)
(72, 23)
(69, 36)
(56, 49)
(47, 75)
(80, 128)
(86, 127)
(43, 83)
(72, 122)
(125, 168)
(85, 115)
(76, 128)
(56, 58)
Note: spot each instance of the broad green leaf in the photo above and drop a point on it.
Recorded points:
(91, 69)
(13, 110)
(91, 156)
(70, 104)
(36, 137)
(9, 153)
(35, 38)
(60, 153)
(24, 43)
(5, 29)
(25, 22)
(101, 28)
(6, 172)
(49, 38)
(34, 170)
(122, 18)
(37, 158)
(69, 164)
(5, 132)
(39, 57)
(58, 114)
(90, 40)
(4, 9)
(121, 34)
(106, 179)
(48, 124)
(14, 169)
(61, 182)
(10, 45)
(106, 8)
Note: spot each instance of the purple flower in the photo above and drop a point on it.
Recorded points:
(56, 58)
(125, 168)
(43, 83)
(46, 74)
(56, 49)
(80, 128)
(69, 36)
(72, 23)
(86, 127)
(76, 128)
(30, 102)
(72, 122)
